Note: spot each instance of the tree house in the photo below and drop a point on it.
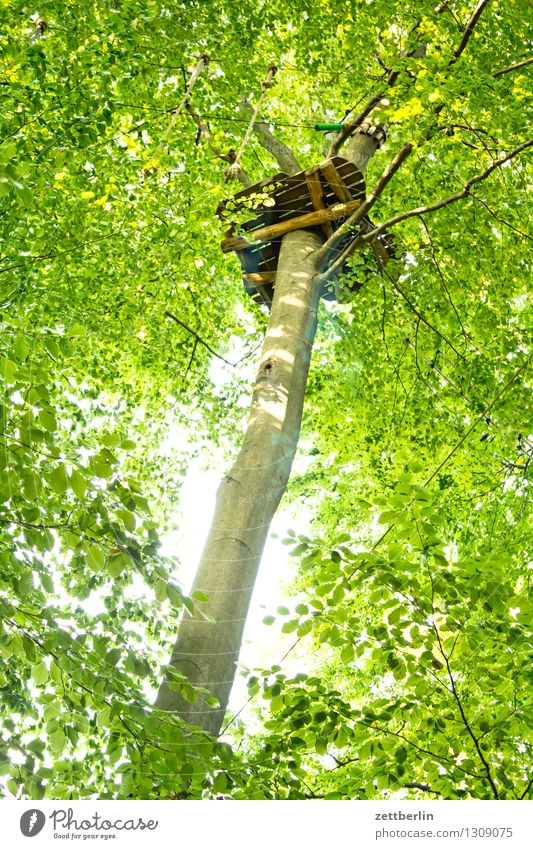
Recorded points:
(320, 198)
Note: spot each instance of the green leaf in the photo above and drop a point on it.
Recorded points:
(8, 370)
(128, 519)
(95, 558)
(57, 740)
(321, 745)
(78, 483)
(347, 654)
(117, 563)
(40, 673)
(58, 479)
(8, 150)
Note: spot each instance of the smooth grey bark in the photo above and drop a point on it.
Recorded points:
(282, 152)
(248, 496)
(207, 651)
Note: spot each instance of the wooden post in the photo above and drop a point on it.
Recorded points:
(312, 178)
(335, 181)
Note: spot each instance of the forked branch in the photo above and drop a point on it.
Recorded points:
(281, 152)
(350, 127)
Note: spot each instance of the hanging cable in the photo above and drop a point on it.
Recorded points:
(203, 62)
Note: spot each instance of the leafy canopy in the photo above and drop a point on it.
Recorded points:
(113, 296)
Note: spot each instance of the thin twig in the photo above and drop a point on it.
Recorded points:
(233, 170)
(206, 345)
(349, 128)
(466, 723)
(191, 359)
(482, 416)
(197, 337)
(528, 788)
(442, 278)
(499, 219)
(420, 315)
(54, 254)
(415, 785)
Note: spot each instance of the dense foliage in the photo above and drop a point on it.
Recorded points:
(114, 300)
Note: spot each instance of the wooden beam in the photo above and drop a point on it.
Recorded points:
(303, 222)
(259, 278)
(335, 180)
(312, 178)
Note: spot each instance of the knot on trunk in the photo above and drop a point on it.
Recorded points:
(266, 368)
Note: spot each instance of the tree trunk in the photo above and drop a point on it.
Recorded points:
(248, 496)
(207, 651)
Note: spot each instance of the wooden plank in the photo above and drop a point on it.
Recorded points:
(288, 193)
(298, 195)
(336, 182)
(259, 279)
(275, 231)
(341, 164)
(237, 203)
(260, 257)
(303, 203)
(264, 184)
(314, 185)
(283, 188)
(267, 217)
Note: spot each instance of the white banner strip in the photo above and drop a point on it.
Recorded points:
(266, 825)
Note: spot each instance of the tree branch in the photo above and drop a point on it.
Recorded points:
(53, 254)
(444, 7)
(483, 415)
(360, 213)
(468, 30)
(499, 219)
(421, 316)
(233, 171)
(439, 758)
(198, 339)
(528, 788)
(432, 207)
(442, 279)
(514, 67)
(350, 127)
(281, 152)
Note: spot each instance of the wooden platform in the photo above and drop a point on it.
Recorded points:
(320, 198)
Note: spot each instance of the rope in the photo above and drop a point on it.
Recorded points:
(232, 172)
(203, 62)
